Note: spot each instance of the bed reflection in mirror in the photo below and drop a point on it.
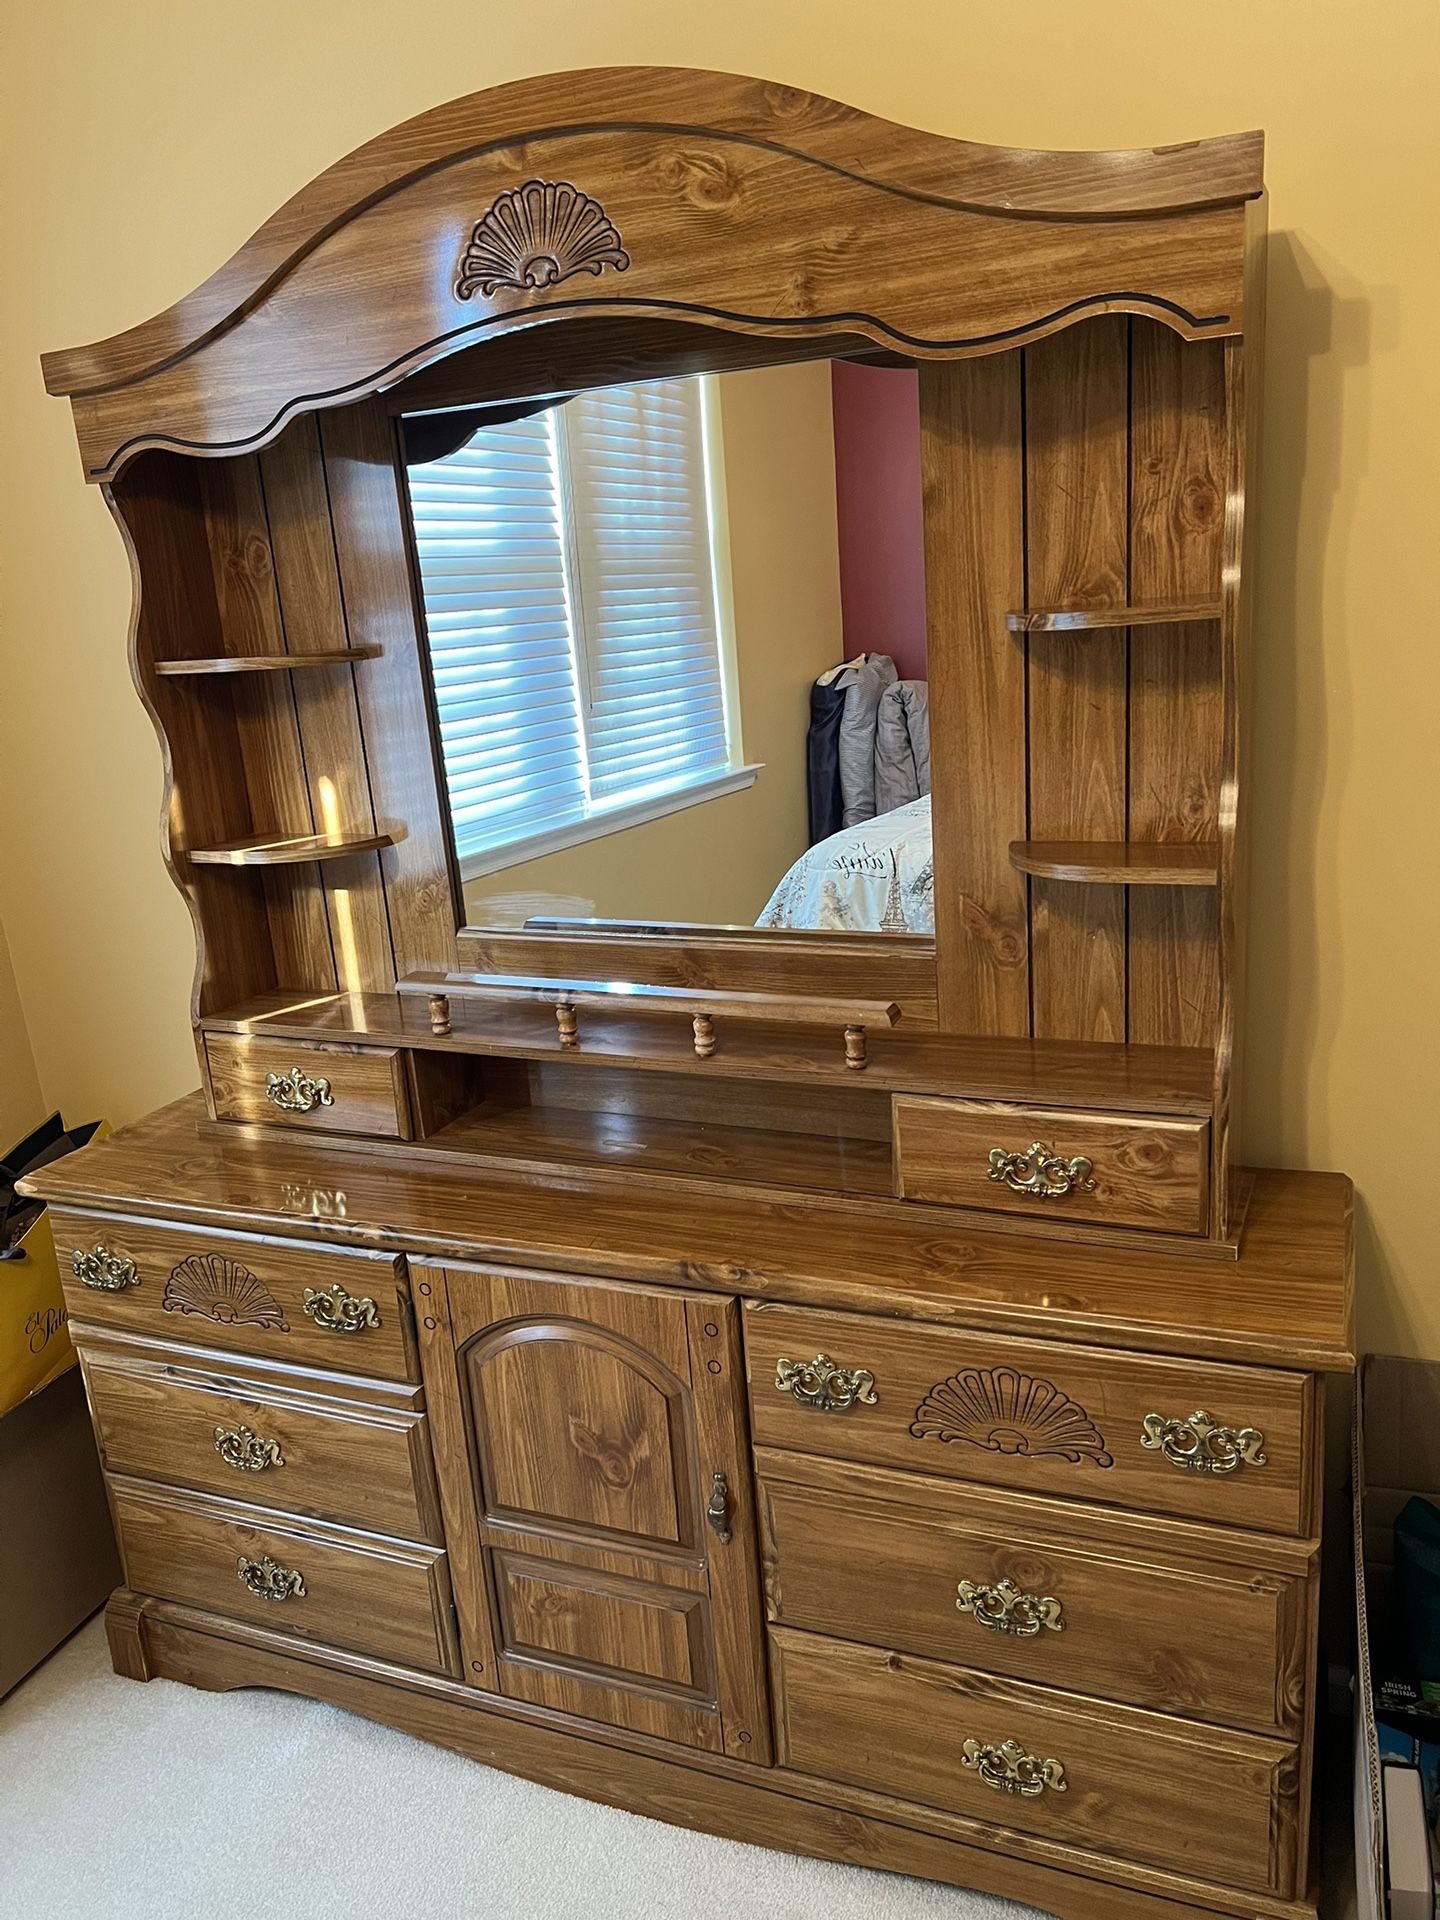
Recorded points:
(677, 650)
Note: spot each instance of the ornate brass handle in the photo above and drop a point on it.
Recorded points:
(1009, 1769)
(819, 1383)
(1200, 1443)
(1041, 1171)
(1006, 1608)
(107, 1272)
(717, 1512)
(297, 1092)
(241, 1447)
(268, 1580)
(338, 1311)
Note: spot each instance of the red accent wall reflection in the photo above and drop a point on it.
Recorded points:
(878, 510)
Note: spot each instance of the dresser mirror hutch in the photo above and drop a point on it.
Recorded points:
(767, 1334)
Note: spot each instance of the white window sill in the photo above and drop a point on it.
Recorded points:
(710, 786)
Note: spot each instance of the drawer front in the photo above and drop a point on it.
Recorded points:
(1136, 1786)
(322, 1583)
(1118, 1170)
(961, 1575)
(1035, 1416)
(362, 1461)
(300, 1305)
(335, 1089)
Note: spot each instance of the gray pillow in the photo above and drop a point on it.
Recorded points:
(902, 744)
(876, 671)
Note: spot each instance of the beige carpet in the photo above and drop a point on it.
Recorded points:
(125, 1802)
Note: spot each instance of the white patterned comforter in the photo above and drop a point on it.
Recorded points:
(878, 877)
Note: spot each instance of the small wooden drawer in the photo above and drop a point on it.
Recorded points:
(1147, 1612)
(286, 1301)
(1205, 1441)
(303, 1577)
(333, 1089)
(1106, 1780)
(1110, 1169)
(288, 1441)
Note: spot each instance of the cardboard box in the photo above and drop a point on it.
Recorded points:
(58, 1560)
(1395, 1454)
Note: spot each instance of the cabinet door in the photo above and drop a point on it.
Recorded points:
(596, 1487)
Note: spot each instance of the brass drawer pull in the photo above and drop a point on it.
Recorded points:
(297, 1092)
(819, 1383)
(107, 1272)
(1009, 1769)
(1041, 1172)
(338, 1311)
(1006, 1608)
(241, 1447)
(1200, 1443)
(717, 1512)
(268, 1580)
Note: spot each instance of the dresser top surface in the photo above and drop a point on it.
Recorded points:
(1286, 1300)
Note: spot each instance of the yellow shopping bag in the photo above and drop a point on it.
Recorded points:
(35, 1345)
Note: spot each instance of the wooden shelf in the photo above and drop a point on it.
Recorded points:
(265, 662)
(1123, 863)
(271, 850)
(1081, 619)
(537, 1138)
(1098, 1075)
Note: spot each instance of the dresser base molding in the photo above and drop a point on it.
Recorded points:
(156, 1639)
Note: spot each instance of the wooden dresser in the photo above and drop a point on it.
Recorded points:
(828, 1389)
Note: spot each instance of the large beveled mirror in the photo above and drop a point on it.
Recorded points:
(676, 643)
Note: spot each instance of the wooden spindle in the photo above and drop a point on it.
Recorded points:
(704, 1025)
(568, 1022)
(439, 1013)
(855, 1048)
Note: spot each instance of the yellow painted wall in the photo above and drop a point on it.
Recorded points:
(142, 144)
(21, 1103)
(720, 861)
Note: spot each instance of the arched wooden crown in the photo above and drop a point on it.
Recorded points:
(743, 205)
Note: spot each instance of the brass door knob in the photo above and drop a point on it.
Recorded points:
(717, 1511)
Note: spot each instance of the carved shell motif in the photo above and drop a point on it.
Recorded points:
(536, 236)
(223, 1290)
(1004, 1411)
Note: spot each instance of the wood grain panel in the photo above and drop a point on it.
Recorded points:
(308, 583)
(779, 1809)
(873, 1556)
(582, 1619)
(367, 1085)
(1035, 1417)
(1076, 386)
(974, 571)
(243, 1294)
(1176, 708)
(1144, 1172)
(371, 544)
(1285, 1298)
(361, 1461)
(595, 1419)
(377, 1596)
(898, 1723)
